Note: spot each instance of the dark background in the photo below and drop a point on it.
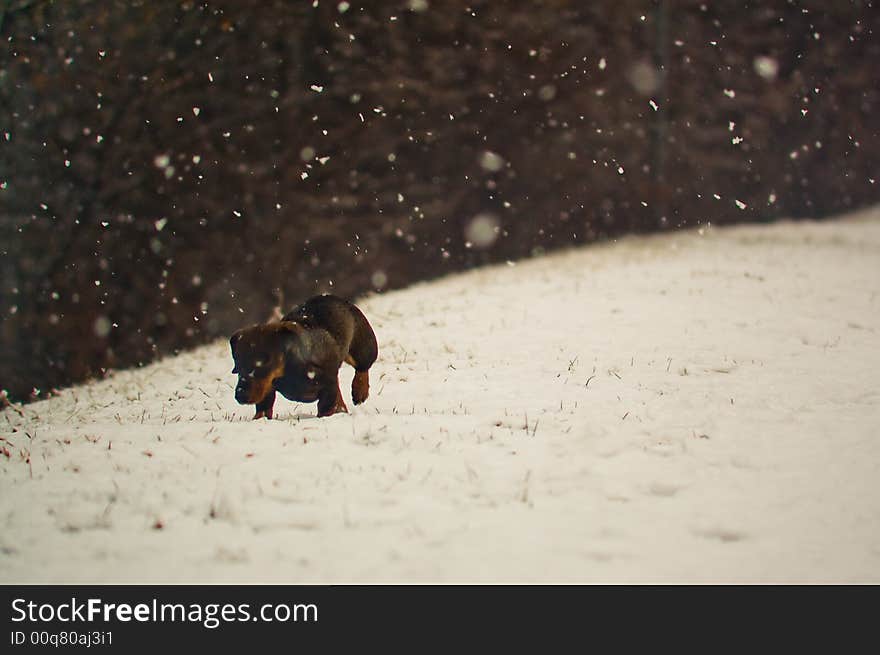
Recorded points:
(170, 171)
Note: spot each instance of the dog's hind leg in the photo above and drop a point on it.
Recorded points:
(360, 385)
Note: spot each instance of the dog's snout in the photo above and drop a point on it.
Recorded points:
(241, 391)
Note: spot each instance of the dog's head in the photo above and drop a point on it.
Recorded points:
(259, 355)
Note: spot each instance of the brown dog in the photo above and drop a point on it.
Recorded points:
(299, 356)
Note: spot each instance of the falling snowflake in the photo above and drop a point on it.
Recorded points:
(766, 67)
(491, 161)
(482, 231)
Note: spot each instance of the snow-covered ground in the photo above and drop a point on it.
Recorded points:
(691, 407)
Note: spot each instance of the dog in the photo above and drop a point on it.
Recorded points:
(300, 356)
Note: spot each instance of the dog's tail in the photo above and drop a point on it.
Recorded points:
(277, 311)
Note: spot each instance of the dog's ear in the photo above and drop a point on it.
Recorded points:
(289, 327)
(233, 342)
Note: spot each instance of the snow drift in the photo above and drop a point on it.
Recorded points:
(692, 407)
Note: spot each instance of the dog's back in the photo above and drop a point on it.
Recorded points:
(345, 323)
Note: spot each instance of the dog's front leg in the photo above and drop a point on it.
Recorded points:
(264, 407)
(330, 400)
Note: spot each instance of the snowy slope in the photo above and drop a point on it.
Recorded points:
(689, 407)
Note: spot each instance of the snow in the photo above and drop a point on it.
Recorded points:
(699, 406)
